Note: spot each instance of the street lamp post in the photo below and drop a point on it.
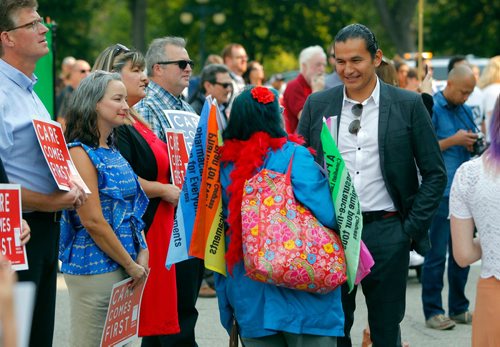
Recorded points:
(202, 11)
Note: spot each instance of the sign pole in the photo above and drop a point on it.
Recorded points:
(420, 38)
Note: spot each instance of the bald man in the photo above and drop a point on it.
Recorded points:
(79, 70)
(456, 133)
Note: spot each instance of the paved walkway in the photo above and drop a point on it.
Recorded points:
(211, 334)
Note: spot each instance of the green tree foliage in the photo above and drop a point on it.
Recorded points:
(462, 27)
(73, 20)
(273, 32)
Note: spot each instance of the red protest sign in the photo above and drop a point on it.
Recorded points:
(178, 156)
(11, 226)
(122, 320)
(51, 139)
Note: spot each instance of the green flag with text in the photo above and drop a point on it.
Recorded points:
(345, 199)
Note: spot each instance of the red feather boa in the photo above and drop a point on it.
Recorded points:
(247, 156)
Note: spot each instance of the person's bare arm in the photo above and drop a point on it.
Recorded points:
(56, 201)
(466, 248)
(460, 138)
(168, 192)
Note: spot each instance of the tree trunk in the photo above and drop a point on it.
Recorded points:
(138, 10)
(398, 21)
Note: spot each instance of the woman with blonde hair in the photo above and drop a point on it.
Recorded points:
(489, 82)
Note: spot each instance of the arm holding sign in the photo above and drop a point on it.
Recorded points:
(98, 228)
(167, 192)
(57, 201)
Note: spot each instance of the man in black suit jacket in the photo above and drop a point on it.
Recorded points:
(386, 138)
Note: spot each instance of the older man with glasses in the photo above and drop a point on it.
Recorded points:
(385, 137)
(169, 69)
(22, 44)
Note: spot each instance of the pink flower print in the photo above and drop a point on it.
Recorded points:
(249, 219)
(297, 277)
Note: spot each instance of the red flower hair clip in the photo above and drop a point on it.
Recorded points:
(262, 95)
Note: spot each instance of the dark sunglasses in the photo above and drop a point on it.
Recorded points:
(355, 125)
(181, 63)
(224, 85)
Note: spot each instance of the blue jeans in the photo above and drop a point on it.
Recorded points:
(433, 269)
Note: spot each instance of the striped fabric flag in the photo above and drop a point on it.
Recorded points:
(347, 207)
(208, 234)
(188, 201)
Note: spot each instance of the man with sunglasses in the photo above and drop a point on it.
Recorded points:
(215, 81)
(385, 136)
(22, 44)
(169, 69)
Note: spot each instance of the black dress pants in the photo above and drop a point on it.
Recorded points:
(385, 287)
(189, 275)
(42, 251)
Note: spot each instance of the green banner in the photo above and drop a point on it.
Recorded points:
(44, 70)
(345, 199)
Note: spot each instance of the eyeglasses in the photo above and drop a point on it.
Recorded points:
(355, 125)
(181, 63)
(224, 85)
(31, 25)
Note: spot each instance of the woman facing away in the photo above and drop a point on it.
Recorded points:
(474, 203)
(268, 315)
(149, 159)
(102, 242)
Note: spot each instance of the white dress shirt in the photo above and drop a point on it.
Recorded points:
(361, 153)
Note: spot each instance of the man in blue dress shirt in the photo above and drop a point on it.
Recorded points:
(23, 43)
(456, 132)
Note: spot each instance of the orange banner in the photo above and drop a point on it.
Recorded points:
(210, 190)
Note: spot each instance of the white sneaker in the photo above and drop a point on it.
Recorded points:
(416, 259)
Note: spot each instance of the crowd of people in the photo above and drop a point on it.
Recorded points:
(416, 154)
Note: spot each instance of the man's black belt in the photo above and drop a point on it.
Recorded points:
(373, 216)
(52, 216)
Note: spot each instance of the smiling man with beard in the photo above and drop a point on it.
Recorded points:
(384, 136)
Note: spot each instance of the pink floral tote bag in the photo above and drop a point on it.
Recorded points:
(283, 243)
